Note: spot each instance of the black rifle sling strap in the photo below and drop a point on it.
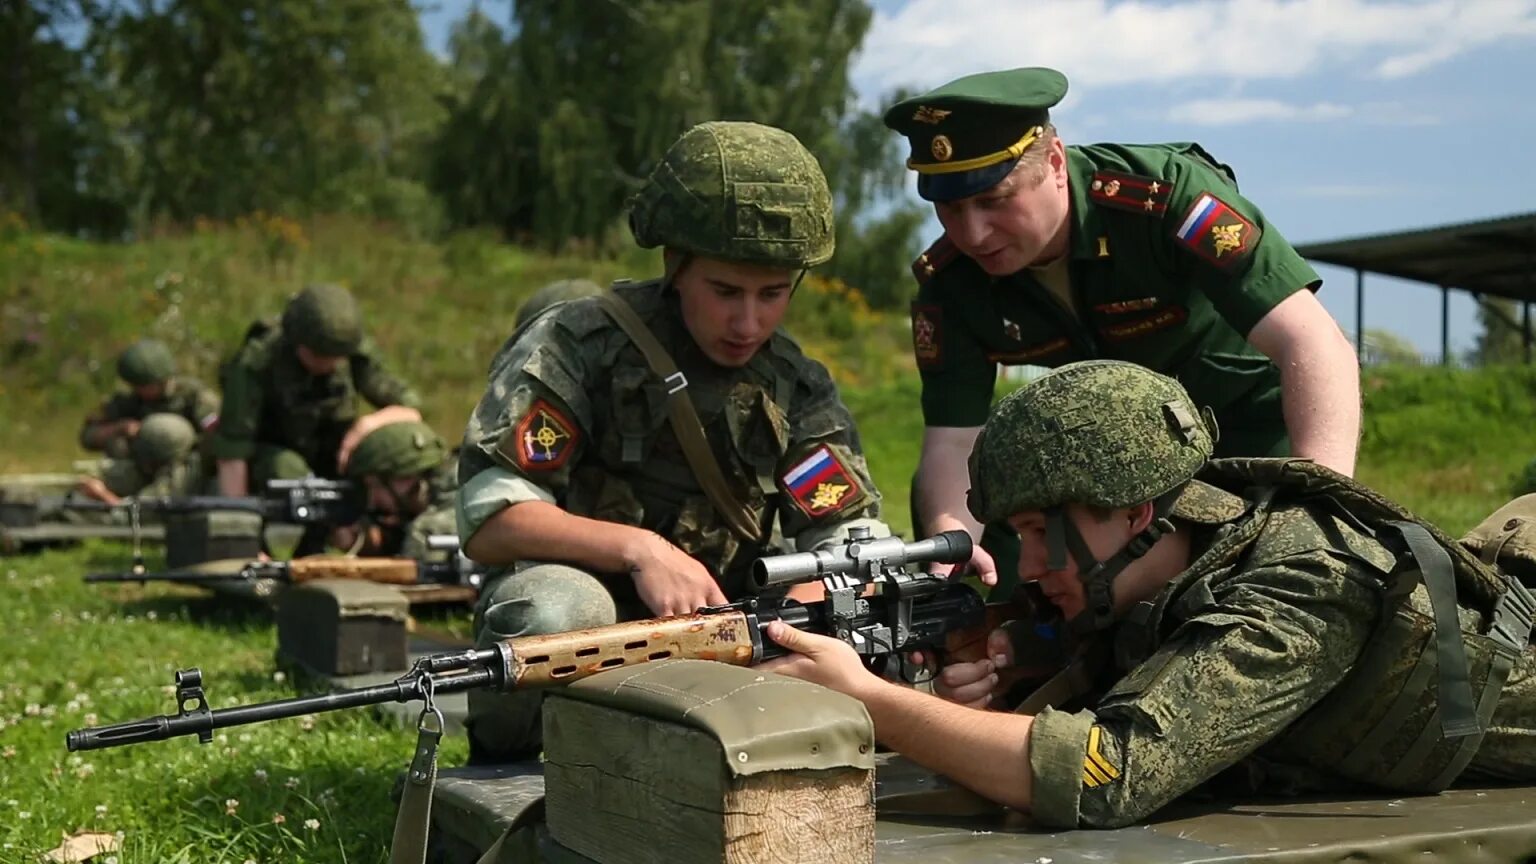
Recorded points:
(685, 420)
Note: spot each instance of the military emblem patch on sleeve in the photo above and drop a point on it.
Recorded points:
(821, 484)
(927, 319)
(1097, 769)
(1216, 232)
(542, 440)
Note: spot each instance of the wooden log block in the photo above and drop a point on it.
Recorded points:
(623, 788)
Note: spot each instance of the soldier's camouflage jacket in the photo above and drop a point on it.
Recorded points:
(574, 416)
(270, 398)
(1270, 663)
(187, 397)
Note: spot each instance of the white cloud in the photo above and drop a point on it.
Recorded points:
(1228, 112)
(1104, 43)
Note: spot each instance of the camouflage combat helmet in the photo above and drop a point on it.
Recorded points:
(1102, 433)
(738, 192)
(163, 438)
(555, 292)
(324, 318)
(147, 361)
(397, 450)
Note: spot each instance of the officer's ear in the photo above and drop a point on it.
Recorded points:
(1141, 515)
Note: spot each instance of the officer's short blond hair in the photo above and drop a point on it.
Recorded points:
(1032, 167)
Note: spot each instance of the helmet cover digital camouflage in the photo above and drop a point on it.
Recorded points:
(326, 319)
(147, 361)
(1103, 433)
(163, 438)
(397, 450)
(737, 192)
(555, 292)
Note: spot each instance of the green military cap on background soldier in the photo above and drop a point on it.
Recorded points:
(397, 450)
(145, 362)
(737, 192)
(326, 319)
(968, 134)
(555, 292)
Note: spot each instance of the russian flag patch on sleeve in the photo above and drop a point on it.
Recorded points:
(1216, 232)
(821, 484)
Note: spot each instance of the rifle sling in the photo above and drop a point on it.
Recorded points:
(685, 420)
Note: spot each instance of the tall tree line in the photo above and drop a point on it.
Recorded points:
(124, 113)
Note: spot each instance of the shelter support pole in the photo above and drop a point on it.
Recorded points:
(1360, 314)
(1445, 326)
(1525, 329)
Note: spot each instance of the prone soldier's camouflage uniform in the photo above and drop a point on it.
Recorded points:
(574, 416)
(163, 461)
(144, 363)
(1281, 658)
(284, 421)
(409, 450)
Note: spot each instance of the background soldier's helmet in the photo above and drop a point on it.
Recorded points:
(163, 438)
(397, 450)
(325, 319)
(555, 292)
(1102, 433)
(147, 361)
(738, 192)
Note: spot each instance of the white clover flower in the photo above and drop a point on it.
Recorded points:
(152, 615)
(89, 719)
(261, 775)
(101, 809)
(279, 676)
(278, 818)
(312, 824)
(24, 814)
(32, 710)
(85, 770)
(307, 723)
(230, 806)
(291, 783)
(9, 753)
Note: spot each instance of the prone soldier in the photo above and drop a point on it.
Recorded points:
(409, 479)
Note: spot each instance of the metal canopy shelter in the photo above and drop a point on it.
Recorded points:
(1496, 257)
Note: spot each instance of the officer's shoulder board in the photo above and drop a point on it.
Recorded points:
(936, 258)
(1134, 193)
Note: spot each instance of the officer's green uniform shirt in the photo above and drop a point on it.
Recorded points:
(271, 399)
(1170, 268)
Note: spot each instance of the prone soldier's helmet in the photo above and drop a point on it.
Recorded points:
(1106, 434)
(326, 319)
(555, 292)
(738, 192)
(147, 361)
(397, 450)
(163, 438)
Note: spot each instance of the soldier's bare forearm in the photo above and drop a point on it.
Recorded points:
(539, 531)
(234, 478)
(942, 481)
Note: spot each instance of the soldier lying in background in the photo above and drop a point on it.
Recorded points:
(408, 480)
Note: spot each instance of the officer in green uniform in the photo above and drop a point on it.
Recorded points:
(635, 452)
(410, 479)
(290, 393)
(1145, 253)
(1267, 622)
(149, 370)
(162, 462)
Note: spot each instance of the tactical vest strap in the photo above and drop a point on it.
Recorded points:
(1458, 717)
(685, 420)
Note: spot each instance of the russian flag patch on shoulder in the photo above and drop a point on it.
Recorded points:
(820, 484)
(1216, 232)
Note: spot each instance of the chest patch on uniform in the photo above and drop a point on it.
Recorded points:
(1216, 232)
(1097, 769)
(821, 484)
(1031, 353)
(1162, 319)
(927, 321)
(542, 440)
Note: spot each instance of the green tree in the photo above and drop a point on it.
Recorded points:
(1502, 338)
(1385, 348)
(285, 105)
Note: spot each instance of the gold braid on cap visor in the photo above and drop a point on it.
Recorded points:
(1013, 152)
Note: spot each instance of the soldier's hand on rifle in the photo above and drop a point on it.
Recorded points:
(981, 565)
(818, 659)
(669, 580)
(974, 684)
(93, 487)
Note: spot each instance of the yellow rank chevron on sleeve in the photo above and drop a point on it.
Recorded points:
(1097, 769)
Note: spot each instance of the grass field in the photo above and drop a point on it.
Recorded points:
(1448, 444)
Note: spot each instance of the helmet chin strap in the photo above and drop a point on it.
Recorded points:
(1062, 536)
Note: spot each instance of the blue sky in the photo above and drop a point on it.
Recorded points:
(1341, 117)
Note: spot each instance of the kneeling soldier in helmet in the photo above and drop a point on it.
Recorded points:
(162, 462)
(635, 450)
(149, 370)
(1267, 621)
(409, 478)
